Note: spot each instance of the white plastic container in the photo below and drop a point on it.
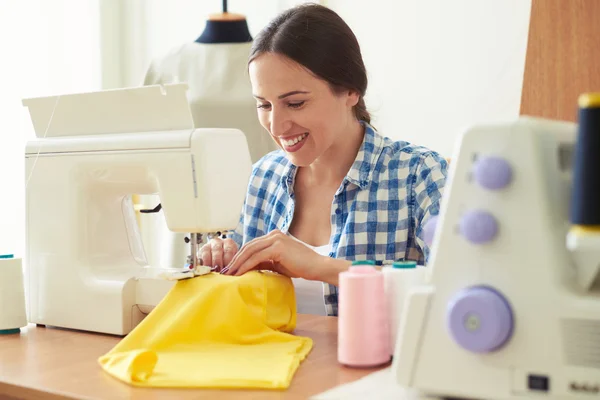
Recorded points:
(398, 279)
(12, 295)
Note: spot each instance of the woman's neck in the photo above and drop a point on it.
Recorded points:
(334, 164)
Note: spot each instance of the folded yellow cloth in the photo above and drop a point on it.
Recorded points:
(215, 331)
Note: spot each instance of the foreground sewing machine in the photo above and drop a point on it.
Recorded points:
(85, 262)
(512, 306)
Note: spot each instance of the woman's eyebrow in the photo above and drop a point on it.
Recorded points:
(283, 96)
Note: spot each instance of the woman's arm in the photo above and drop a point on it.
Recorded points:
(330, 271)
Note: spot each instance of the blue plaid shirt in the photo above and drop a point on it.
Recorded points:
(380, 208)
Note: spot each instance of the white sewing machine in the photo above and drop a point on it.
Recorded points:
(511, 308)
(86, 266)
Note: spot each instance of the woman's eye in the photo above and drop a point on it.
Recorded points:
(296, 105)
(263, 106)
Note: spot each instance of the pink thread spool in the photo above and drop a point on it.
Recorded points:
(363, 327)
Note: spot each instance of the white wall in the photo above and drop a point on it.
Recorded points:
(436, 66)
(43, 52)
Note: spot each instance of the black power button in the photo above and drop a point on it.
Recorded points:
(538, 382)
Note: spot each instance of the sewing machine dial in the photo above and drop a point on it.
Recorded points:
(492, 173)
(479, 319)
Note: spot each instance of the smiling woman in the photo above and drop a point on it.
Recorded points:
(290, 142)
(301, 110)
(337, 190)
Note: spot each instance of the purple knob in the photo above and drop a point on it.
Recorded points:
(429, 230)
(480, 319)
(492, 173)
(478, 226)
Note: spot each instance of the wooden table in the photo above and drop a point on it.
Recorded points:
(52, 363)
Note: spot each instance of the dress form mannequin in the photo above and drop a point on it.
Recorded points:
(220, 95)
(225, 28)
(215, 67)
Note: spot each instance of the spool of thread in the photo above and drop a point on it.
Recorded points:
(586, 180)
(363, 328)
(12, 295)
(399, 278)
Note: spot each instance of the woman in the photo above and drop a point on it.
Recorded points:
(337, 190)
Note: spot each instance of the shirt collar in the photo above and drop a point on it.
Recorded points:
(362, 168)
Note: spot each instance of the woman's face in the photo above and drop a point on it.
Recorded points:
(300, 111)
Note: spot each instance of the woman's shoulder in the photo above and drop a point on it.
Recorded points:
(403, 157)
(406, 153)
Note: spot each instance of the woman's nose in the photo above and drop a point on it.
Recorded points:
(280, 122)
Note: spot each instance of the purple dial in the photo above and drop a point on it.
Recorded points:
(479, 319)
(478, 226)
(492, 173)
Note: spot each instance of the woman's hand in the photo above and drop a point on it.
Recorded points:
(218, 252)
(280, 253)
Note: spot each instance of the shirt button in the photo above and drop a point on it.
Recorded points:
(338, 211)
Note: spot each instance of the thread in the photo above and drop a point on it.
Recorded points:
(398, 280)
(40, 144)
(586, 181)
(363, 328)
(12, 296)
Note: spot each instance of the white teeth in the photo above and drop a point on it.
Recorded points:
(295, 140)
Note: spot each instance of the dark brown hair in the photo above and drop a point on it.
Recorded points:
(317, 38)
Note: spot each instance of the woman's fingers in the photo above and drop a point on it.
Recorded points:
(230, 248)
(259, 260)
(246, 252)
(216, 250)
(206, 255)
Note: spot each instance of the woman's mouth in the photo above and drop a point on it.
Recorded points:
(293, 143)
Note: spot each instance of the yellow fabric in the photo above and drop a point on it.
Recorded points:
(215, 331)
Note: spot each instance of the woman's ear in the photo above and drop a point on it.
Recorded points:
(353, 98)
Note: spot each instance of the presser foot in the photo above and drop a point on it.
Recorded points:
(187, 273)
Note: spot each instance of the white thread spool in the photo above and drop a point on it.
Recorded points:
(398, 279)
(12, 295)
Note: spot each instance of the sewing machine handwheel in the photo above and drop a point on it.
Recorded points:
(480, 319)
